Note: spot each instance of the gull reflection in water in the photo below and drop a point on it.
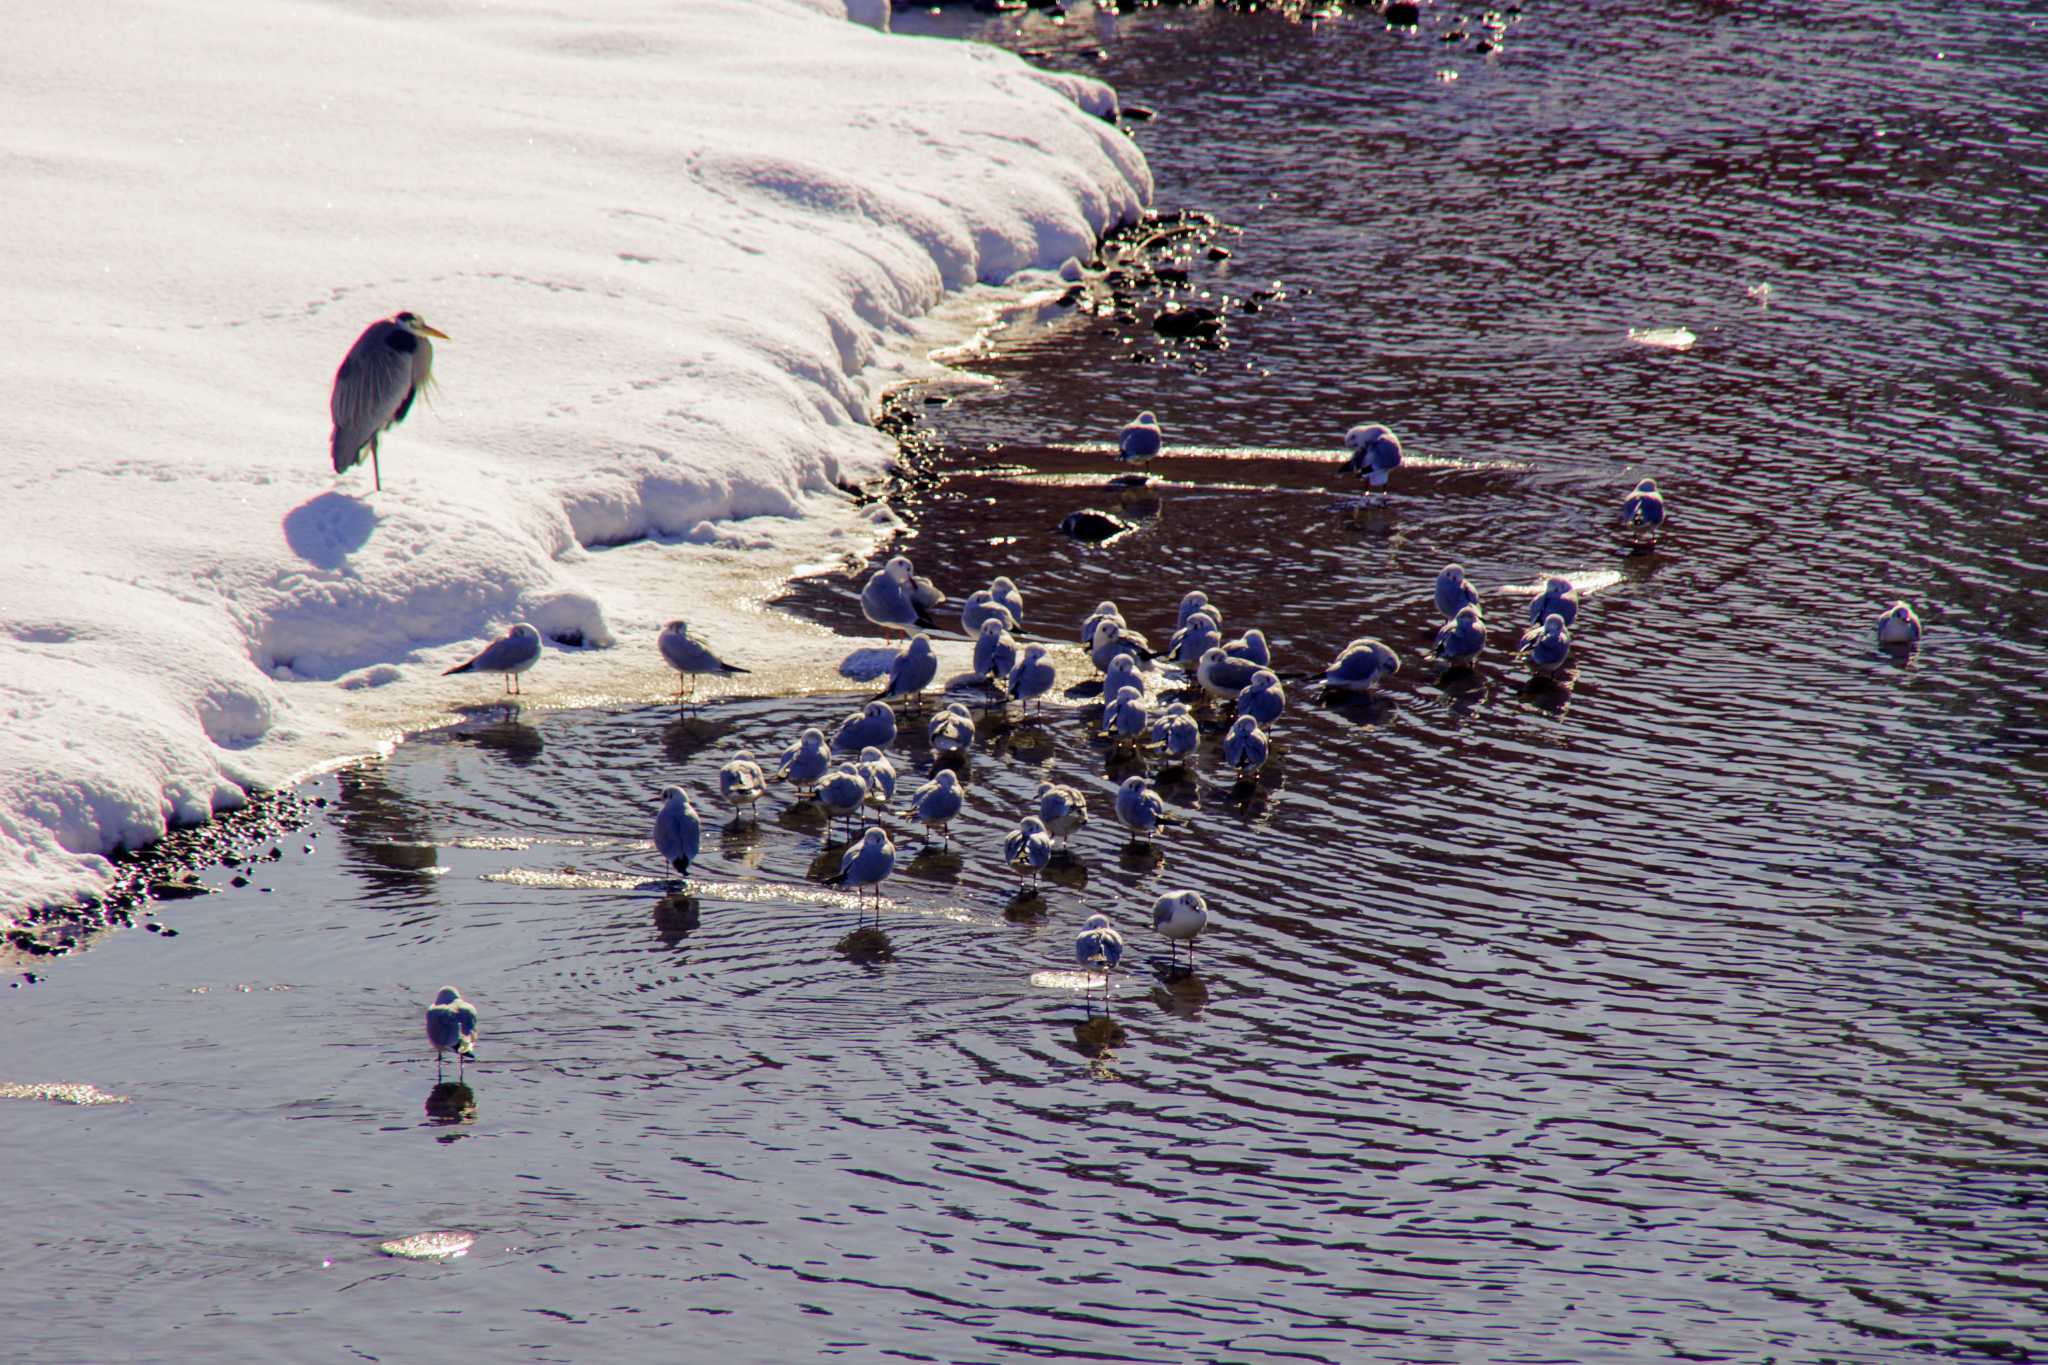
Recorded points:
(450, 1103)
(676, 917)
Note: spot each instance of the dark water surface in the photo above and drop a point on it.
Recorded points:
(1696, 1011)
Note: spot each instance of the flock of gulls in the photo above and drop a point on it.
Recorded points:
(849, 775)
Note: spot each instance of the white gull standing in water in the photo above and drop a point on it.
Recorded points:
(451, 1027)
(1899, 626)
(678, 832)
(1180, 917)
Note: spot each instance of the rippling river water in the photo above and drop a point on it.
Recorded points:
(1694, 1011)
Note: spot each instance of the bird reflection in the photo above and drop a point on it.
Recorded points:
(1097, 1034)
(740, 842)
(676, 916)
(867, 944)
(682, 740)
(939, 865)
(451, 1102)
(1066, 870)
(1553, 695)
(518, 743)
(1373, 708)
(1028, 903)
(1182, 994)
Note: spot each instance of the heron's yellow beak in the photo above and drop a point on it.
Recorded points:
(430, 331)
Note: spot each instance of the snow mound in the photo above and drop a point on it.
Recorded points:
(673, 289)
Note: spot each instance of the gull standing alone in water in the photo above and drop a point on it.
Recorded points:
(1459, 643)
(805, 761)
(451, 1027)
(1375, 454)
(690, 658)
(1899, 626)
(1362, 665)
(1180, 917)
(373, 390)
(1139, 441)
(742, 783)
(1098, 947)
(678, 832)
(936, 803)
(1453, 593)
(512, 655)
(1642, 511)
(912, 670)
(1546, 646)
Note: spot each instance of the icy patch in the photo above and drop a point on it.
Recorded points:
(430, 1246)
(58, 1092)
(1664, 338)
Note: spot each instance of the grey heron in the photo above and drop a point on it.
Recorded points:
(373, 390)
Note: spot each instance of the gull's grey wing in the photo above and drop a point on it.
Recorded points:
(502, 656)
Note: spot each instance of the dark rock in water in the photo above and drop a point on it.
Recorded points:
(1075, 293)
(1219, 253)
(1171, 274)
(1483, 47)
(1094, 527)
(1138, 113)
(182, 887)
(1185, 323)
(1405, 13)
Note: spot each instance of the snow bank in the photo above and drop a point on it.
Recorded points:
(679, 248)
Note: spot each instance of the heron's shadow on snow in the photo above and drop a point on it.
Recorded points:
(325, 530)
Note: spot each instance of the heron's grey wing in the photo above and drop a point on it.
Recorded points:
(374, 384)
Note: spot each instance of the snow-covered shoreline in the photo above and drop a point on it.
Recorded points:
(680, 251)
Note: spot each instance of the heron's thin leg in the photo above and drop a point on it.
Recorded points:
(376, 470)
